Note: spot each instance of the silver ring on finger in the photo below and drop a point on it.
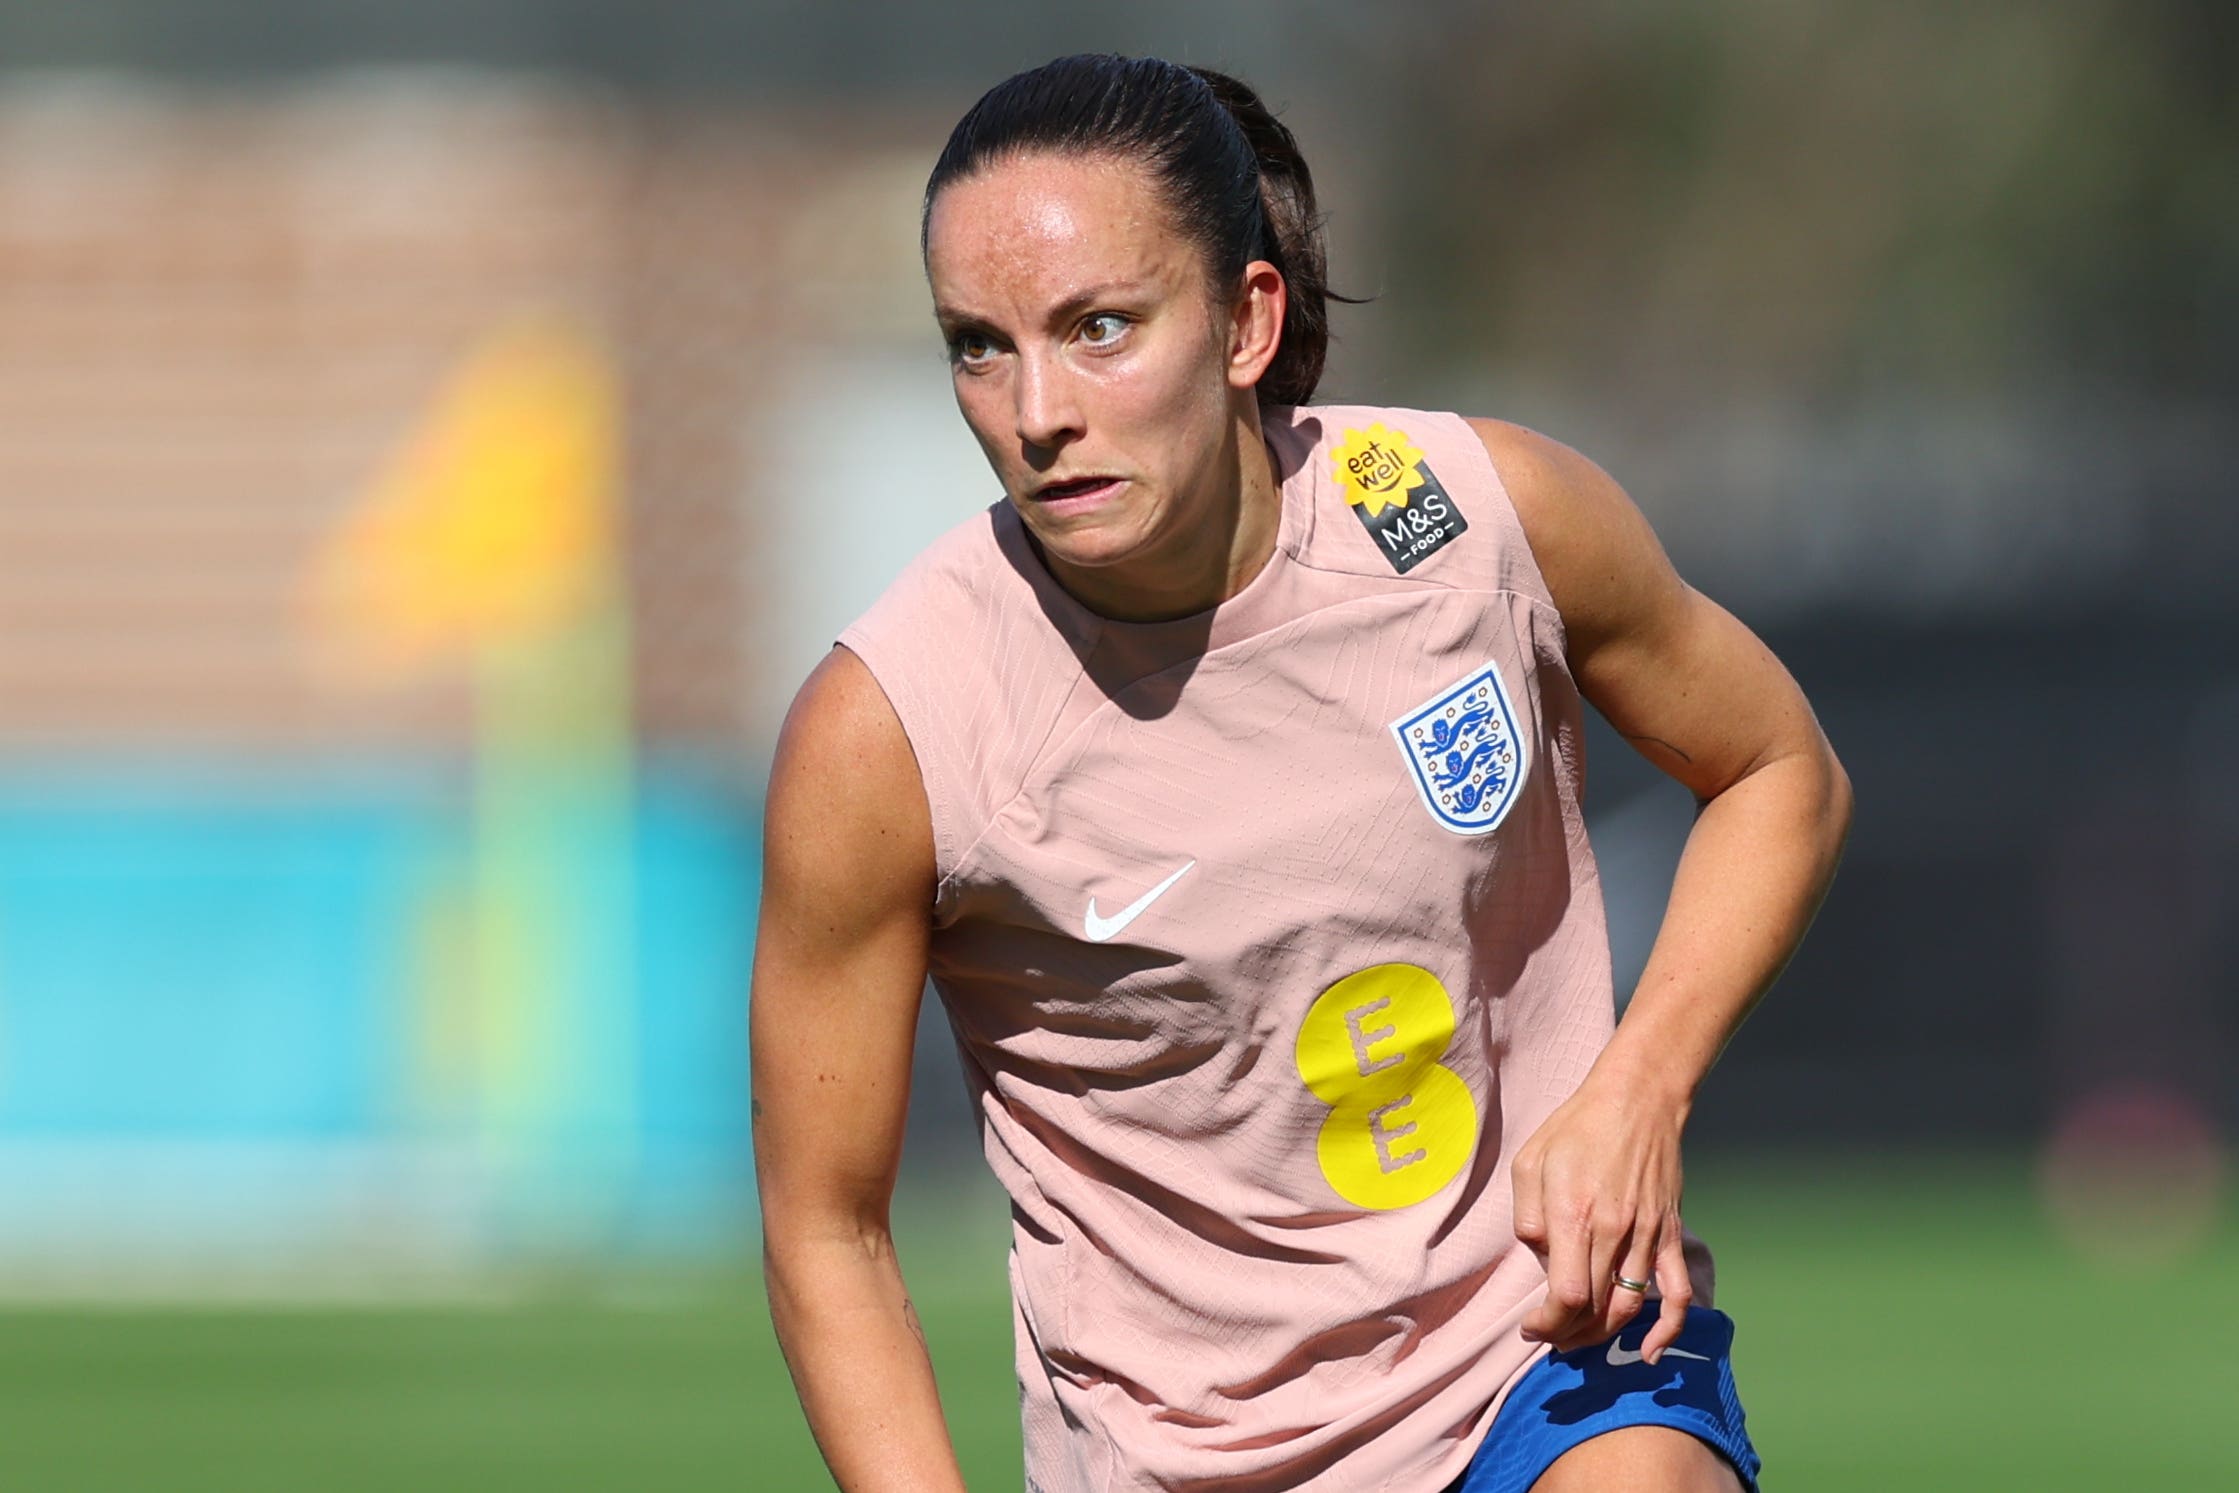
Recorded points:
(1626, 1284)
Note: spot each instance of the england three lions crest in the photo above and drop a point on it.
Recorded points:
(1465, 752)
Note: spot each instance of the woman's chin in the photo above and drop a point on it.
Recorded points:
(1087, 546)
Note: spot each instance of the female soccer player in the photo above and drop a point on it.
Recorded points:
(1225, 778)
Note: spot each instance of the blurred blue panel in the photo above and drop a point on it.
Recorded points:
(699, 884)
(201, 959)
(221, 956)
(699, 880)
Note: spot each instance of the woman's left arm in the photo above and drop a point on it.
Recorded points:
(1598, 1184)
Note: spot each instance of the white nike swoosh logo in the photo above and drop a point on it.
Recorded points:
(1619, 1357)
(1100, 929)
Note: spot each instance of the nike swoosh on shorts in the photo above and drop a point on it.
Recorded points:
(1619, 1357)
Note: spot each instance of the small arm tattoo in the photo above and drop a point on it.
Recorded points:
(1667, 746)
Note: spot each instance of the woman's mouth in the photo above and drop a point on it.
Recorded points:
(1076, 492)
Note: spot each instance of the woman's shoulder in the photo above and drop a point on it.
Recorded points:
(952, 590)
(1406, 492)
(973, 666)
(1388, 452)
(1593, 547)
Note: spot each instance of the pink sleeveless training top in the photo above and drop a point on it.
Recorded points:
(1268, 936)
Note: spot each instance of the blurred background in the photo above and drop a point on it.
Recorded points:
(436, 439)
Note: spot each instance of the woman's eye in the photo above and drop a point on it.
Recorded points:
(970, 347)
(1103, 327)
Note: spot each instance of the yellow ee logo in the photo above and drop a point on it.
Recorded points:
(1401, 1124)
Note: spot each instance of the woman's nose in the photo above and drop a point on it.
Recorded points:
(1047, 408)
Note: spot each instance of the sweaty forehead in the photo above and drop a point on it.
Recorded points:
(1029, 231)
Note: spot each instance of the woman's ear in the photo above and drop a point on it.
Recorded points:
(1256, 324)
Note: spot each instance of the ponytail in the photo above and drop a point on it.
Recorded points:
(1232, 175)
(1290, 239)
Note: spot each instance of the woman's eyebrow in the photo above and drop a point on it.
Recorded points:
(953, 319)
(1082, 300)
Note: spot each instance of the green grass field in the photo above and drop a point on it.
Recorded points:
(1895, 1332)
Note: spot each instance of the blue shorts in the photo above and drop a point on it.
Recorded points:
(1567, 1398)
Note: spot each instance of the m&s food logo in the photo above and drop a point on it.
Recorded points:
(1389, 484)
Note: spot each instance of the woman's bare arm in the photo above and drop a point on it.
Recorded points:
(1696, 693)
(839, 969)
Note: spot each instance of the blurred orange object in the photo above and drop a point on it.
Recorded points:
(493, 522)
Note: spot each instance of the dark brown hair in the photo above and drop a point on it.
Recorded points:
(1231, 174)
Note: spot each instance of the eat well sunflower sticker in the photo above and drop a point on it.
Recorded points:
(1393, 492)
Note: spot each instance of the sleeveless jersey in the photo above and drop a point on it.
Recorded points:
(1267, 937)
